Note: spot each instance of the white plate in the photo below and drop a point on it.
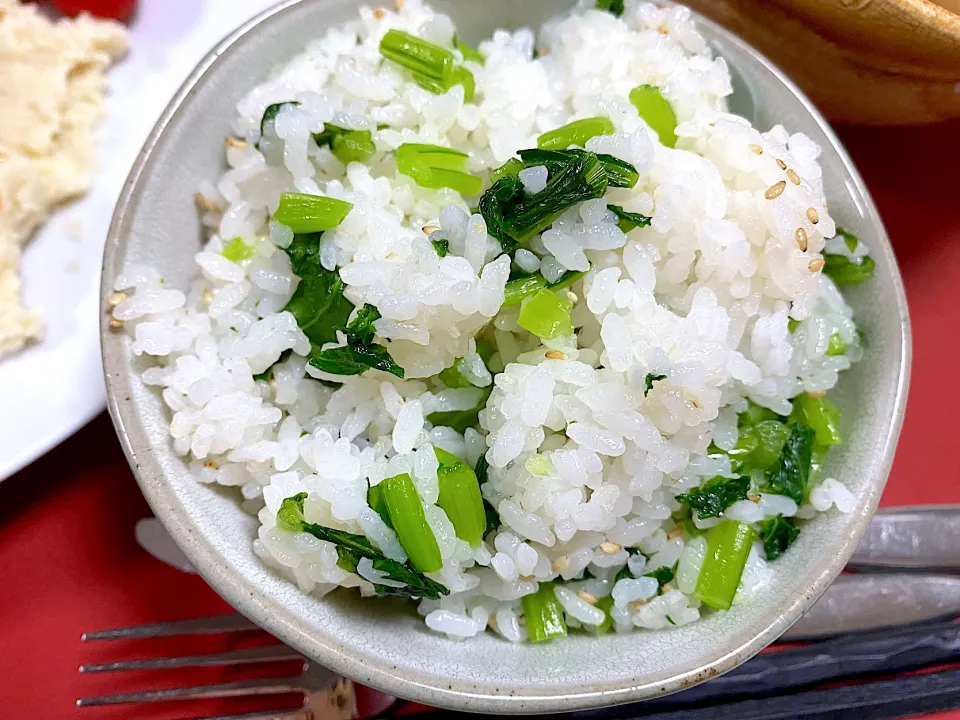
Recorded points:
(55, 387)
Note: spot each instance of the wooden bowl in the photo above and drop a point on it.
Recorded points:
(876, 62)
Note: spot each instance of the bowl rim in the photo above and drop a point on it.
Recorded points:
(283, 624)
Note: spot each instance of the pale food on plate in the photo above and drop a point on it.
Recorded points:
(535, 332)
(51, 90)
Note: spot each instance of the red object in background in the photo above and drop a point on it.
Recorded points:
(69, 562)
(113, 9)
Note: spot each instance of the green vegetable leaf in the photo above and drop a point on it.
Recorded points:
(318, 303)
(628, 220)
(237, 250)
(778, 533)
(662, 575)
(497, 204)
(270, 114)
(460, 420)
(481, 469)
(346, 144)
(623, 574)
(759, 445)
(614, 7)
(836, 346)
(513, 217)
(513, 166)
(290, 514)
(790, 473)
(844, 271)
(441, 246)
(619, 172)
(360, 353)
(716, 495)
(849, 239)
(649, 380)
(605, 603)
(493, 518)
(453, 378)
(351, 548)
(361, 330)
(755, 414)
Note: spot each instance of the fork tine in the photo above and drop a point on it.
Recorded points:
(261, 686)
(268, 653)
(194, 626)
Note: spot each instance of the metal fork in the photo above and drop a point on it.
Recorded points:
(326, 696)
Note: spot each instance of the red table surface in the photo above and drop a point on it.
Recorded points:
(69, 562)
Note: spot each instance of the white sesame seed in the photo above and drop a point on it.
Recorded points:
(775, 191)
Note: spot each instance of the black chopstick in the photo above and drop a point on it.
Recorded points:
(878, 652)
(894, 698)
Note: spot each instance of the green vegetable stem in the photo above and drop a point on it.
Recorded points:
(305, 213)
(656, 112)
(433, 67)
(405, 508)
(518, 290)
(546, 315)
(575, 133)
(544, 614)
(460, 497)
(418, 55)
(728, 546)
(434, 166)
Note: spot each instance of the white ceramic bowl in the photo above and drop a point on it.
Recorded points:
(383, 642)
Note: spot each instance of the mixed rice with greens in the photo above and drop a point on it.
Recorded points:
(534, 332)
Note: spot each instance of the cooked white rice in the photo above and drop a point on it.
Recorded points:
(582, 463)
